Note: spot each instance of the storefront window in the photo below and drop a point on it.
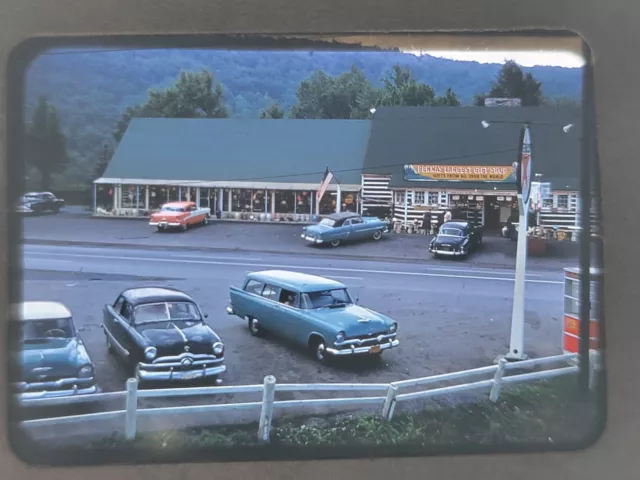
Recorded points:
(257, 202)
(284, 201)
(304, 202)
(350, 202)
(241, 200)
(563, 201)
(419, 198)
(328, 203)
(104, 197)
(433, 198)
(158, 196)
(128, 196)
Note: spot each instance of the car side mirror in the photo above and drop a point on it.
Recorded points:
(206, 315)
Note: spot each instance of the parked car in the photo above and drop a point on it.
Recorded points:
(160, 333)
(51, 360)
(456, 238)
(39, 202)
(315, 312)
(342, 227)
(181, 215)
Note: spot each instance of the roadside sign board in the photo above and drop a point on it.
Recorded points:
(524, 170)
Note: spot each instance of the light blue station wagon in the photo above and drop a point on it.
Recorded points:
(311, 311)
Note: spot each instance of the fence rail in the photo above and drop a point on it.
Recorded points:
(387, 401)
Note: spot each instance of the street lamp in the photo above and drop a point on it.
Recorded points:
(523, 181)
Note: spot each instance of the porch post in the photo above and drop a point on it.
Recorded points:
(95, 197)
(198, 196)
(137, 197)
(273, 202)
(146, 197)
(230, 198)
(295, 202)
(406, 198)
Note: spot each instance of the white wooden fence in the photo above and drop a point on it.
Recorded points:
(386, 396)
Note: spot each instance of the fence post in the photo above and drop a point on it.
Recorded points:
(266, 414)
(497, 380)
(131, 405)
(595, 366)
(389, 403)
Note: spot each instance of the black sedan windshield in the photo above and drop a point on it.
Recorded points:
(166, 311)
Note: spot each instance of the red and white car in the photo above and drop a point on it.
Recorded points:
(179, 215)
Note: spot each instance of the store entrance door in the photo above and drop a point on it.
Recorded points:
(491, 214)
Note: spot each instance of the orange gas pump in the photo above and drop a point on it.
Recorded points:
(571, 325)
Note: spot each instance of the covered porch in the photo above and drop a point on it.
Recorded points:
(242, 201)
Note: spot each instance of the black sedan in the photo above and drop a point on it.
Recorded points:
(39, 202)
(456, 239)
(160, 334)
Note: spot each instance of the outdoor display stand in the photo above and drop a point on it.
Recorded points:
(571, 323)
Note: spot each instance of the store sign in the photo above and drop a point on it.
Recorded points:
(460, 173)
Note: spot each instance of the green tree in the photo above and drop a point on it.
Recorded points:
(273, 111)
(401, 88)
(348, 96)
(194, 95)
(512, 82)
(449, 99)
(46, 144)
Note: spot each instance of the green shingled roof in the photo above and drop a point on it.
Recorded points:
(237, 149)
(455, 136)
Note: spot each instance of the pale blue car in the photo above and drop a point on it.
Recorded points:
(315, 312)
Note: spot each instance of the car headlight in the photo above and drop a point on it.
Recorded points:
(393, 327)
(218, 348)
(86, 371)
(150, 353)
(340, 337)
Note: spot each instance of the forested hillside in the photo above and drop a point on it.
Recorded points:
(91, 90)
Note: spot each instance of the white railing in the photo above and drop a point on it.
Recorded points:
(388, 394)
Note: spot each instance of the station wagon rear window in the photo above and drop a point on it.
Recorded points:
(166, 311)
(42, 330)
(326, 298)
(254, 287)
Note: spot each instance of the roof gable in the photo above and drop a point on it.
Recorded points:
(455, 136)
(239, 149)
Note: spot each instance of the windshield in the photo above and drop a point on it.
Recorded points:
(44, 330)
(166, 311)
(329, 222)
(326, 298)
(172, 209)
(451, 232)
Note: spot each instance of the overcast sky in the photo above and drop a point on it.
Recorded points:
(526, 59)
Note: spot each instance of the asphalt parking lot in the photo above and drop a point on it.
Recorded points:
(453, 315)
(67, 228)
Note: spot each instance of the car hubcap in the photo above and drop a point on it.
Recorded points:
(254, 325)
(335, 243)
(377, 235)
(320, 352)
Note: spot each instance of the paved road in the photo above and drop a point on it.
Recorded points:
(65, 228)
(451, 316)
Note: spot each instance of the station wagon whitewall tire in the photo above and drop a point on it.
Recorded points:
(377, 235)
(335, 243)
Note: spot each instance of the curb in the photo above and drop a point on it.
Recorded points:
(337, 256)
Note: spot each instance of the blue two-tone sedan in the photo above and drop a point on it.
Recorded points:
(343, 227)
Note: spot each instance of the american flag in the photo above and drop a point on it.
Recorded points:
(326, 180)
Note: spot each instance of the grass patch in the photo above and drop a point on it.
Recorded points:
(551, 413)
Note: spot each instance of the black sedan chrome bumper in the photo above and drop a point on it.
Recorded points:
(186, 366)
(66, 387)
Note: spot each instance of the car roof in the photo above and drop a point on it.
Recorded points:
(295, 281)
(143, 295)
(342, 215)
(455, 224)
(40, 310)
